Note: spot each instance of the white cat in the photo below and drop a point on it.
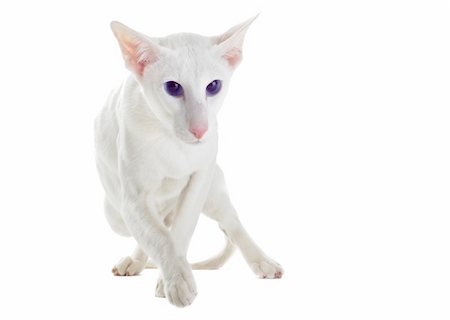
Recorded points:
(156, 145)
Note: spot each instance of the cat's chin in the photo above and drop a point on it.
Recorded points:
(192, 142)
(195, 142)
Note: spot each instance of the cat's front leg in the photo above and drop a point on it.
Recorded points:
(218, 207)
(186, 218)
(142, 220)
(189, 208)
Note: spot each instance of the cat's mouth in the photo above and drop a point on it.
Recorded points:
(195, 141)
(191, 140)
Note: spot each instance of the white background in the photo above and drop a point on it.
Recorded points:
(334, 141)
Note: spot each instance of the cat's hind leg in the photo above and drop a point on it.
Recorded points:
(218, 207)
(114, 219)
(131, 265)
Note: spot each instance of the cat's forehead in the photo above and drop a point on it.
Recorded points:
(191, 58)
(186, 40)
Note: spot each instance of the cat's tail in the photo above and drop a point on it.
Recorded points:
(210, 264)
(218, 260)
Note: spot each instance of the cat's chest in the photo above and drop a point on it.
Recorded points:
(176, 162)
(169, 193)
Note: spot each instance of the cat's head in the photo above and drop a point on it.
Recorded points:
(184, 77)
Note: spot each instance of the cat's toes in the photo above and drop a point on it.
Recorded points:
(267, 268)
(180, 290)
(128, 267)
(179, 285)
(159, 292)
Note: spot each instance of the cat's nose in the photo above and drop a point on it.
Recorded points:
(198, 132)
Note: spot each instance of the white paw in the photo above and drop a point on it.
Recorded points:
(267, 268)
(159, 292)
(128, 267)
(180, 287)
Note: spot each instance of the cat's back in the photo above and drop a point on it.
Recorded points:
(106, 125)
(106, 132)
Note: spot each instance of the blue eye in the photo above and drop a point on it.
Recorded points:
(213, 88)
(173, 88)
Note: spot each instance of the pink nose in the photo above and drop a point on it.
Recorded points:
(198, 132)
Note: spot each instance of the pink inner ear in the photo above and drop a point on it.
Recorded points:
(233, 56)
(138, 57)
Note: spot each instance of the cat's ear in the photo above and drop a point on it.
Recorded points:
(230, 43)
(138, 51)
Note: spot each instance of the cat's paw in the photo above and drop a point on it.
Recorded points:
(267, 268)
(180, 287)
(128, 267)
(159, 292)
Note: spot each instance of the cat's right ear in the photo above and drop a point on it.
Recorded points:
(138, 51)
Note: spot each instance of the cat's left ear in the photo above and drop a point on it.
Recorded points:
(230, 43)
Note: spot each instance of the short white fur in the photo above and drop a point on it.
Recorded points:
(158, 174)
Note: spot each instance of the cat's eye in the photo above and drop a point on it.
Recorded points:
(213, 88)
(173, 88)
